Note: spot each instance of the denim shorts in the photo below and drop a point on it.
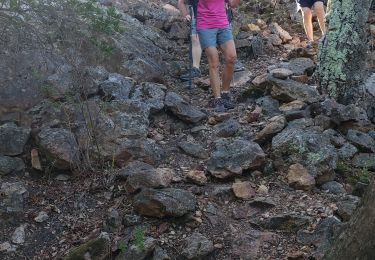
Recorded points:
(214, 37)
(307, 3)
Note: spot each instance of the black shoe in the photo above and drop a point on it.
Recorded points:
(227, 102)
(218, 105)
(238, 66)
(195, 73)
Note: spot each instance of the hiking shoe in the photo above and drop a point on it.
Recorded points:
(309, 45)
(238, 66)
(227, 102)
(218, 105)
(195, 73)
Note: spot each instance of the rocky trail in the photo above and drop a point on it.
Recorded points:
(142, 168)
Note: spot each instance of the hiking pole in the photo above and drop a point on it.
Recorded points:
(191, 11)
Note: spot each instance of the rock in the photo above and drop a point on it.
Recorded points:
(322, 237)
(363, 141)
(116, 87)
(98, 248)
(364, 161)
(35, 160)
(341, 113)
(60, 147)
(151, 94)
(243, 190)
(346, 207)
(308, 147)
(197, 246)
(323, 121)
(241, 78)
(113, 221)
(139, 252)
(227, 128)
(333, 187)
(146, 176)
(164, 203)
(6, 246)
(263, 189)
(60, 83)
(131, 220)
(301, 66)
(347, 151)
(13, 139)
(234, 156)
(299, 178)
(146, 150)
(262, 202)
(182, 109)
(160, 254)
(290, 90)
(336, 138)
(269, 106)
(274, 39)
(284, 35)
(197, 177)
(260, 81)
(12, 197)
(286, 222)
(9, 165)
(275, 125)
(193, 149)
(281, 73)
(42, 216)
(18, 236)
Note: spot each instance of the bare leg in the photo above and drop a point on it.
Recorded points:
(319, 10)
(230, 57)
(197, 51)
(307, 23)
(213, 64)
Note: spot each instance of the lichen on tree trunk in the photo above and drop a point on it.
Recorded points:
(342, 52)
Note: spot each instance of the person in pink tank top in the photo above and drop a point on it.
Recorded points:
(214, 31)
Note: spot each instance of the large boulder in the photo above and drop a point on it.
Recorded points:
(310, 148)
(363, 141)
(13, 139)
(60, 147)
(168, 202)
(182, 109)
(116, 87)
(231, 157)
(151, 94)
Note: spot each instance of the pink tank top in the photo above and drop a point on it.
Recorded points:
(211, 14)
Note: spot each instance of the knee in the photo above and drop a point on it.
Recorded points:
(230, 59)
(306, 13)
(319, 8)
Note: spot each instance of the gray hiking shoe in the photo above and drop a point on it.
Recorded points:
(218, 105)
(195, 73)
(228, 104)
(238, 66)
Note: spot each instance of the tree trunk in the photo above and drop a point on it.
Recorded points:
(357, 241)
(342, 53)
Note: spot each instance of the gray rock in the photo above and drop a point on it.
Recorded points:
(131, 220)
(322, 237)
(301, 66)
(98, 248)
(227, 128)
(364, 161)
(262, 202)
(270, 106)
(333, 187)
(60, 83)
(275, 125)
(42, 216)
(197, 246)
(143, 176)
(193, 149)
(146, 150)
(290, 90)
(116, 87)
(346, 207)
(363, 141)
(182, 109)
(372, 134)
(164, 203)
(231, 157)
(138, 252)
(60, 147)
(160, 254)
(347, 151)
(19, 235)
(13, 139)
(9, 165)
(113, 221)
(13, 196)
(349, 113)
(151, 94)
(336, 138)
(286, 222)
(308, 147)
(323, 121)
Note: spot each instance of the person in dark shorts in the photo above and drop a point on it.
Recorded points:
(306, 6)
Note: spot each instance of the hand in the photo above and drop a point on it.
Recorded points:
(233, 3)
(188, 18)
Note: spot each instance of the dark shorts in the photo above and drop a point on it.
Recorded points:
(307, 3)
(214, 37)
